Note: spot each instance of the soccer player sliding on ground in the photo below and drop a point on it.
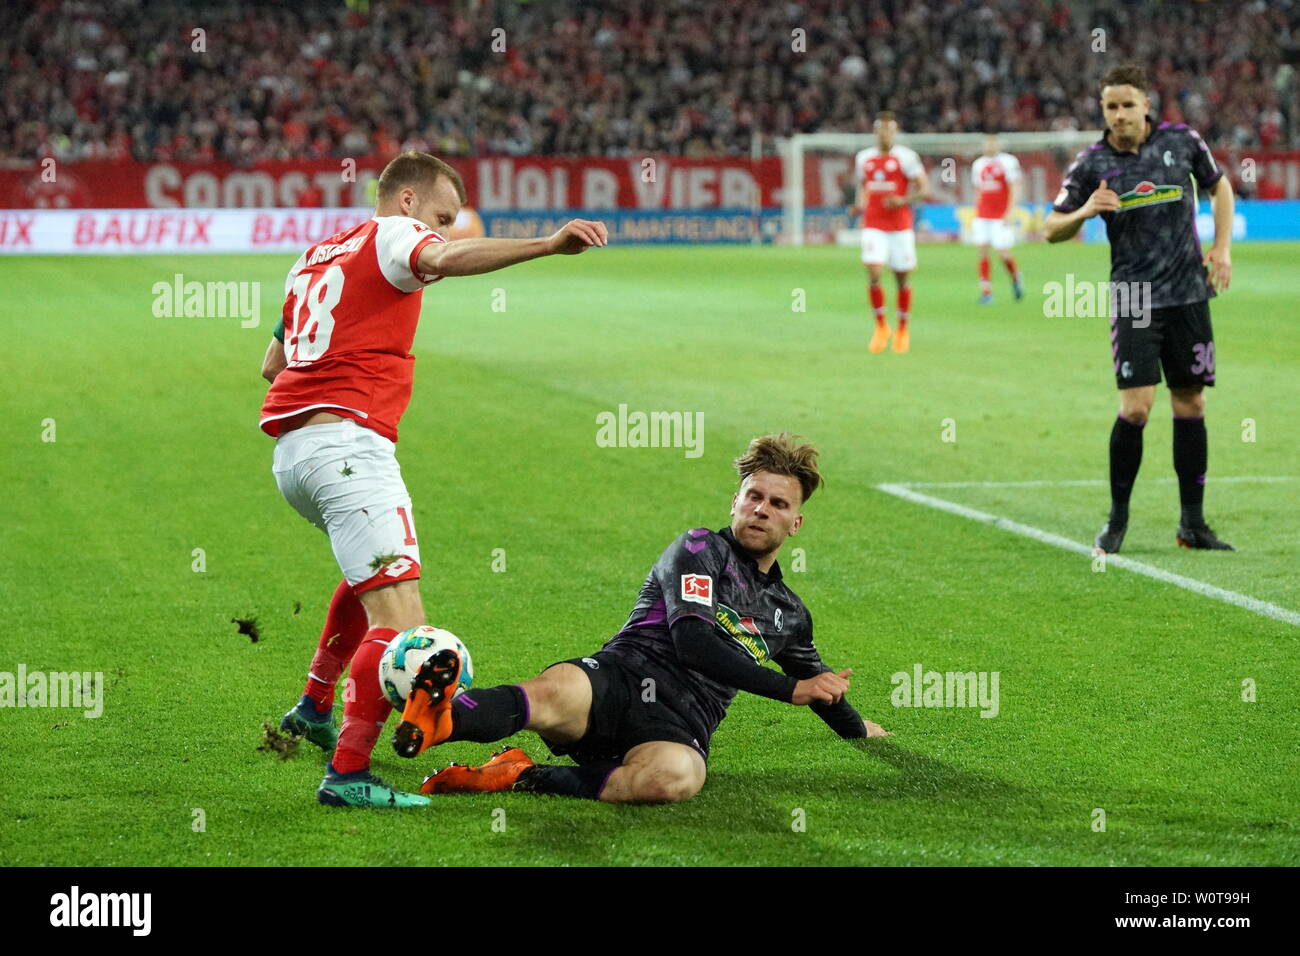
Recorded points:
(341, 376)
(637, 715)
(1141, 178)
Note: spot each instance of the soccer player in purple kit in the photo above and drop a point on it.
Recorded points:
(1142, 178)
(637, 715)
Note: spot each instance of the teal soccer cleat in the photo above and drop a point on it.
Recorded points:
(361, 788)
(304, 721)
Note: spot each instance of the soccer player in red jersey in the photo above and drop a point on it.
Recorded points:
(340, 380)
(890, 179)
(996, 176)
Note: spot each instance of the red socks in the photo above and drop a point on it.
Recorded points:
(1011, 267)
(877, 295)
(904, 305)
(985, 285)
(345, 626)
(366, 708)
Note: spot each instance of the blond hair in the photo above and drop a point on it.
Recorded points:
(417, 170)
(782, 454)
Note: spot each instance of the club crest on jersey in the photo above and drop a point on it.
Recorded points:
(776, 619)
(744, 631)
(1147, 193)
(697, 588)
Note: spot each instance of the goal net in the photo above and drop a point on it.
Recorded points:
(818, 186)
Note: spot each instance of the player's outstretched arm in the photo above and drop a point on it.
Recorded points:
(471, 257)
(822, 690)
(824, 694)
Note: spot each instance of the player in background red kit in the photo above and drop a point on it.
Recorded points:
(997, 177)
(890, 179)
(340, 380)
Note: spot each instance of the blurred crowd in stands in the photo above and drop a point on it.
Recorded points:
(246, 81)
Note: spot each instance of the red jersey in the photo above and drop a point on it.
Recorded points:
(886, 174)
(993, 176)
(351, 307)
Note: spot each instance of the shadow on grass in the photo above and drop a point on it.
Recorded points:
(745, 809)
(917, 775)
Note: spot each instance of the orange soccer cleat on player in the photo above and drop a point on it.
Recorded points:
(902, 339)
(879, 339)
(426, 718)
(499, 773)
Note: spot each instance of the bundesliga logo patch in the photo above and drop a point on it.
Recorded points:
(697, 588)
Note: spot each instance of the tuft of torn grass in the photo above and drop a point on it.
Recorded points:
(248, 625)
(282, 745)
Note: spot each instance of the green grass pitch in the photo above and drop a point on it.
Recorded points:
(1117, 692)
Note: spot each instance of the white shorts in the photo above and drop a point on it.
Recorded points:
(992, 232)
(344, 479)
(896, 249)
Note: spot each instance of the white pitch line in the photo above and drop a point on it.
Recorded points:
(1076, 482)
(1245, 601)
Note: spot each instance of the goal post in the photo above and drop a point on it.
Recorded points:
(814, 167)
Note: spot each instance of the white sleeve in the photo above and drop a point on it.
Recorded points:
(293, 273)
(859, 164)
(1011, 168)
(975, 171)
(911, 164)
(398, 242)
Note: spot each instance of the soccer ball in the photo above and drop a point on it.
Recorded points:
(405, 654)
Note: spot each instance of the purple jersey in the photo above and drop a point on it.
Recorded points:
(1153, 235)
(705, 574)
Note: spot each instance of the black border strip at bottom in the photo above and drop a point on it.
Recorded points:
(263, 906)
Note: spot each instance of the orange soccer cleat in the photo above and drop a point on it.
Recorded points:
(426, 718)
(879, 339)
(901, 339)
(499, 773)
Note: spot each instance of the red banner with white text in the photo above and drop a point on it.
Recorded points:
(533, 183)
(515, 183)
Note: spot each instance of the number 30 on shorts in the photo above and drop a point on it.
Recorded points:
(1204, 352)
